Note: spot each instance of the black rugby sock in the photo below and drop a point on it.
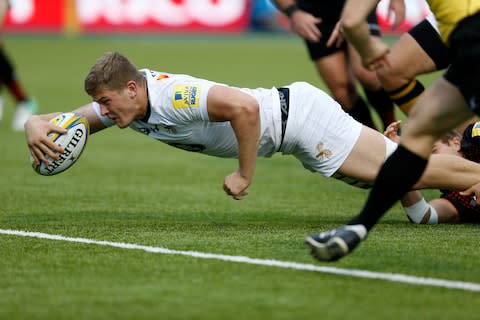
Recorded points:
(7, 76)
(6, 68)
(381, 102)
(361, 113)
(397, 176)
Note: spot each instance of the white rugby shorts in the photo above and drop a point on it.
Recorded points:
(319, 133)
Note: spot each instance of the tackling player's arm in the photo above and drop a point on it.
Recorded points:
(417, 209)
(242, 110)
(474, 191)
(38, 127)
(355, 28)
(439, 210)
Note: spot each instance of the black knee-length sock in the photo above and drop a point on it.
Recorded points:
(7, 76)
(361, 113)
(380, 101)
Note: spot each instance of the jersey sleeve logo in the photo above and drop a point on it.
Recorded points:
(161, 76)
(476, 130)
(186, 96)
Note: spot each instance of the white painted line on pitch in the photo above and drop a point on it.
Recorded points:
(395, 277)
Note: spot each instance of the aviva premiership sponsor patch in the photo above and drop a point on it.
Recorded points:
(186, 96)
(476, 130)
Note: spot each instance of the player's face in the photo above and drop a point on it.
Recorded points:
(118, 105)
(445, 147)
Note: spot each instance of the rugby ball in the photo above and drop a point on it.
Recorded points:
(73, 143)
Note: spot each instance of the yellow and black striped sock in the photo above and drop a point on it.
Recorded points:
(406, 96)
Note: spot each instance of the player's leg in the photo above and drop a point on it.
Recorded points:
(440, 109)
(445, 104)
(335, 72)
(365, 159)
(328, 141)
(419, 51)
(377, 97)
(25, 105)
(446, 211)
(3, 13)
(444, 171)
(333, 68)
(400, 171)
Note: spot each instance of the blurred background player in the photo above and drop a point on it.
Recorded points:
(451, 206)
(338, 66)
(26, 106)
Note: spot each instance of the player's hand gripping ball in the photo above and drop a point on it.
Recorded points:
(73, 143)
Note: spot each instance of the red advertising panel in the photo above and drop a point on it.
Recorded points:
(35, 16)
(163, 15)
(132, 16)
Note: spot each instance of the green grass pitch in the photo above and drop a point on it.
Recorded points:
(131, 189)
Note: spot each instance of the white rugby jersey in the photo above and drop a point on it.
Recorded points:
(179, 117)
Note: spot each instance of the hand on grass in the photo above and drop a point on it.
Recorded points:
(235, 185)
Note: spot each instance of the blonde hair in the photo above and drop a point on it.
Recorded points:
(111, 71)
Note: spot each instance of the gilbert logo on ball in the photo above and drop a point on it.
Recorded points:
(73, 143)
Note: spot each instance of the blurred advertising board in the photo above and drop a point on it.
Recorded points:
(128, 16)
(31, 16)
(416, 11)
(172, 16)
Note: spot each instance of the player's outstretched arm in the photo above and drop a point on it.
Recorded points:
(38, 127)
(94, 122)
